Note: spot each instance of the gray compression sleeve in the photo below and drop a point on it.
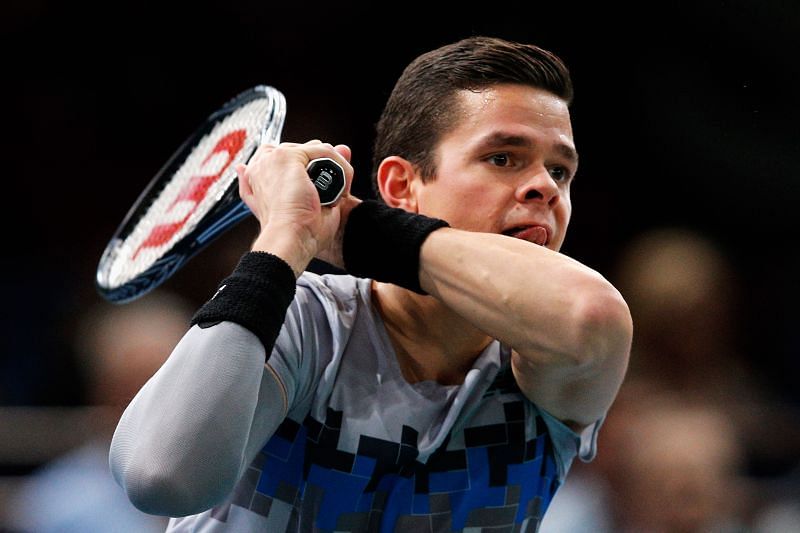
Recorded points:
(189, 434)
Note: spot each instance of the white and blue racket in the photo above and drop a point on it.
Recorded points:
(194, 198)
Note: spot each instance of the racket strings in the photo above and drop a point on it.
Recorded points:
(193, 190)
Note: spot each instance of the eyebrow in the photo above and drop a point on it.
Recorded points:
(500, 139)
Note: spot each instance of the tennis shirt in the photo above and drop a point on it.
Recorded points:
(361, 449)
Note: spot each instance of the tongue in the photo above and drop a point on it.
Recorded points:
(538, 235)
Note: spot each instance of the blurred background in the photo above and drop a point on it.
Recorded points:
(685, 117)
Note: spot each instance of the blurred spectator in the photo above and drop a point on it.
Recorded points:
(673, 465)
(684, 295)
(696, 440)
(119, 348)
(667, 465)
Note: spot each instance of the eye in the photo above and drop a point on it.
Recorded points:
(559, 173)
(502, 159)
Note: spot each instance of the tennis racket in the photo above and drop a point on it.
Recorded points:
(194, 198)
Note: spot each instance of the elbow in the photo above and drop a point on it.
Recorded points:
(158, 495)
(604, 326)
(167, 492)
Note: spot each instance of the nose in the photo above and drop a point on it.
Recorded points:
(538, 187)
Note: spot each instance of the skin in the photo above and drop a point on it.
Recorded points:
(505, 166)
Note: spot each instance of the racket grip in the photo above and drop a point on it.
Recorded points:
(328, 177)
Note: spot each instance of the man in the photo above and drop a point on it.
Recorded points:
(440, 387)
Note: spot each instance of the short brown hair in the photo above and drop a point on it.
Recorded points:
(421, 108)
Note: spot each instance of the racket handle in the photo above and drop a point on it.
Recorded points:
(328, 177)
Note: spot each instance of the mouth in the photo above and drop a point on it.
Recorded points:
(535, 234)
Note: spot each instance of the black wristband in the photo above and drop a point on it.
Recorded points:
(255, 296)
(383, 243)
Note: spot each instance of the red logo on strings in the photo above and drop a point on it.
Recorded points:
(195, 190)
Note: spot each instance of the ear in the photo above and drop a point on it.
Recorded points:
(397, 183)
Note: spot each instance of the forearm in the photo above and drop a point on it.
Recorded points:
(291, 245)
(534, 299)
(570, 330)
(549, 308)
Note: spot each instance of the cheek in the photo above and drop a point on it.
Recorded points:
(464, 205)
(567, 215)
(480, 208)
(563, 214)
(564, 211)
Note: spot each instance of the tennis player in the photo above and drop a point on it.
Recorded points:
(449, 380)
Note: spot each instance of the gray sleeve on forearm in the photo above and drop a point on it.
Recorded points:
(189, 434)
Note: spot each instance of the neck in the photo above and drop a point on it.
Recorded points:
(431, 341)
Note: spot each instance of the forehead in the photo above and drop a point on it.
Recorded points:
(510, 106)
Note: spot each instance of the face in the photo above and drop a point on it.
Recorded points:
(506, 167)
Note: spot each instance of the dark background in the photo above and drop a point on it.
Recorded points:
(685, 115)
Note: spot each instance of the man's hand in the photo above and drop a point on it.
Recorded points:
(294, 226)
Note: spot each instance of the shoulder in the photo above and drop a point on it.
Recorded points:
(340, 287)
(336, 293)
(331, 299)
(316, 330)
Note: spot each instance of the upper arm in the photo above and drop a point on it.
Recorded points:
(178, 447)
(579, 388)
(193, 430)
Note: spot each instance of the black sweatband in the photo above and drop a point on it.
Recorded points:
(255, 296)
(383, 243)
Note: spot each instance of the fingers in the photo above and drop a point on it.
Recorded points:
(344, 151)
(245, 191)
(340, 153)
(244, 185)
(289, 159)
(296, 153)
(313, 149)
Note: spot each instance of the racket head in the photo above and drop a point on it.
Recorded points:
(192, 199)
